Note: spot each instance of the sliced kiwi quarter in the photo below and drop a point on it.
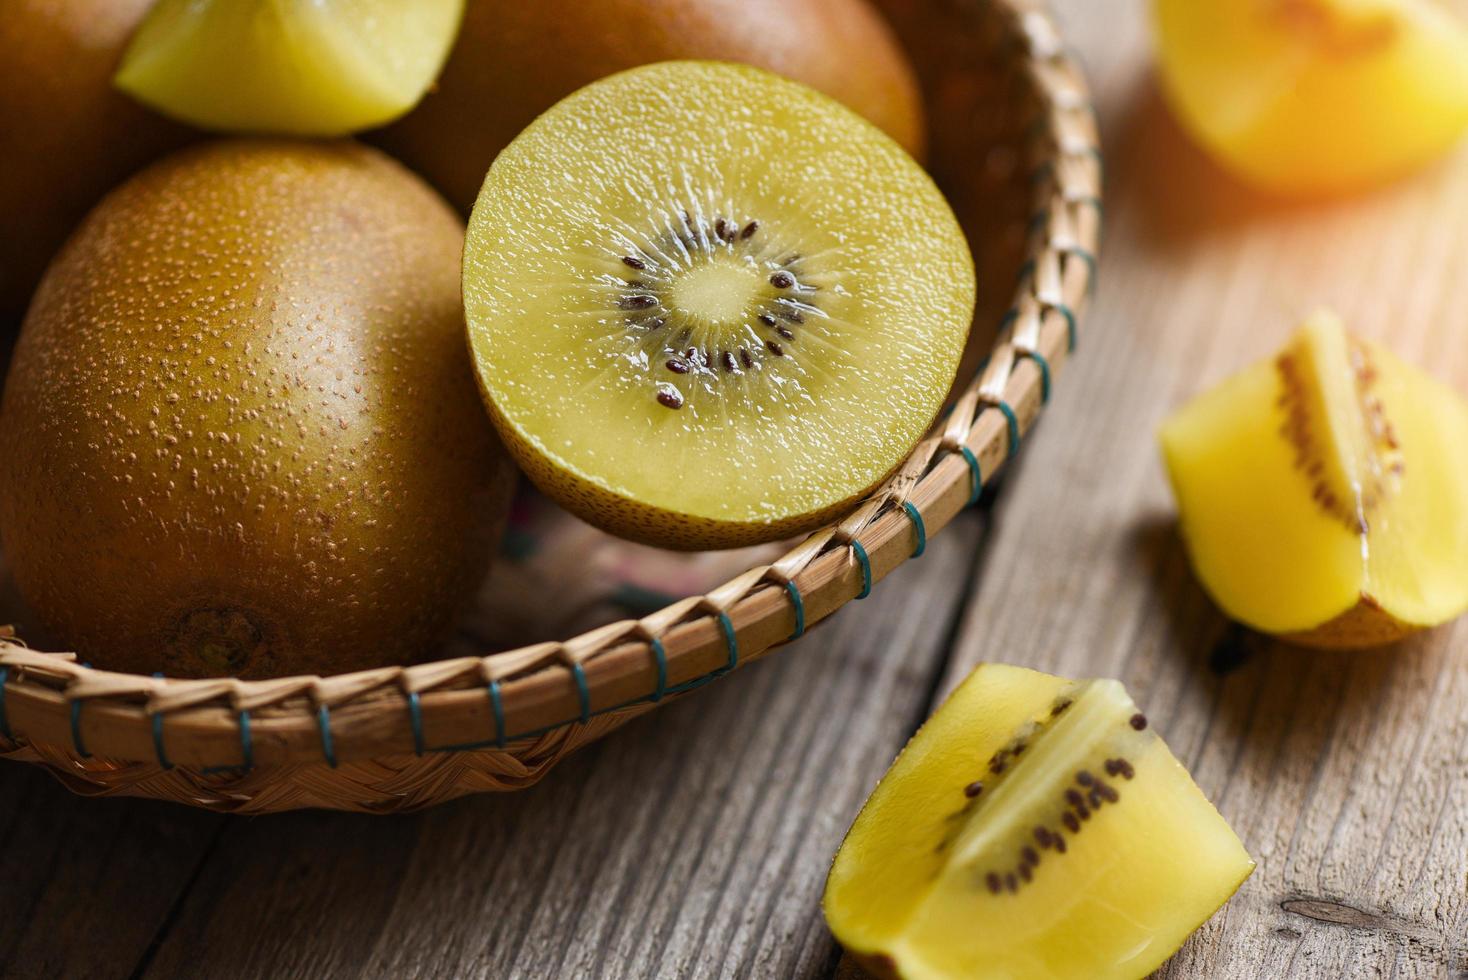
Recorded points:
(709, 306)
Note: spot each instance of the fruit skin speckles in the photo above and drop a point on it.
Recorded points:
(263, 529)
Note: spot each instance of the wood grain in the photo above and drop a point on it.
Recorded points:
(1345, 774)
(85, 885)
(693, 843)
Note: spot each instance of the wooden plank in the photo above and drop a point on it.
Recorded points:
(1345, 774)
(86, 884)
(695, 842)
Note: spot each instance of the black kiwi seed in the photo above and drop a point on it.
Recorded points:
(1043, 837)
(1085, 778)
(1059, 709)
(1138, 721)
(1073, 798)
(1083, 811)
(1094, 798)
(973, 789)
(1107, 793)
(1029, 856)
(1011, 883)
(1059, 844)
(1071, 823)
(1025, 872)
(683, 242)
(992, 880)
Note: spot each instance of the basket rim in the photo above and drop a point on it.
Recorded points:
(529, 698)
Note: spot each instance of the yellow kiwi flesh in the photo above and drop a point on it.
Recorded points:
(300, 67)
(1035, 827)
(240, 428)
(69, 137)
(515, 59)
(710, 306)
(1323, 493)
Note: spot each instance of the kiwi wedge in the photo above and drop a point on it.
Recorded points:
(710, 306)
(240, 429)
(1035, 827)
(297, 67)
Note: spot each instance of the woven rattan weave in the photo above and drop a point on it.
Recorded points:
(406, 737)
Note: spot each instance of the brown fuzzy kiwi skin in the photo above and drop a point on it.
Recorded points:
(1364, 626)
(240, 430)
(514, 60)
(68, 136)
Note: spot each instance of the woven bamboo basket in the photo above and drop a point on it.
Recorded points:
(1015, 148)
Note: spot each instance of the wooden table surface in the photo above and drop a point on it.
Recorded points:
(695, 841)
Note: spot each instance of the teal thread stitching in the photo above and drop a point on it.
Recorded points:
(798, 604)
(918, 526)
(415, 718)
(158, 741)
(661, 656)
(1070, 324)
(866, 568)
(1044, 367)
(1013, 421)
(1090, 200)
(76, 730)
(323, 723)
(4, 718)
(976, 476)
(582, 691)
(497, 705)
(247, 744)
(158, 734)
(731, 640)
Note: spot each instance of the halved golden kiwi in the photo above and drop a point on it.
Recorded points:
(709, 306)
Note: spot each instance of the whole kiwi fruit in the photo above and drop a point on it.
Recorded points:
(513, 60)
(66, 135)
(240, 430)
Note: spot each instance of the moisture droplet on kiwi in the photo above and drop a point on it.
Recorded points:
(692, 338)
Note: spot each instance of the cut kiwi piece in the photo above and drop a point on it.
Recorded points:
(1035, 827)
(710, 306)
(300, 67)
(1323, 493)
